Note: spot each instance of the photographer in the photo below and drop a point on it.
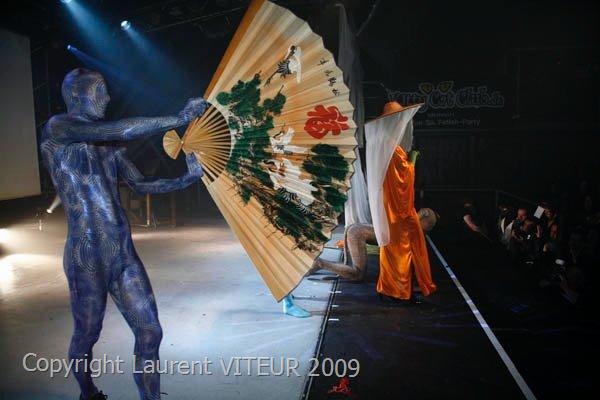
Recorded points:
(524, 242)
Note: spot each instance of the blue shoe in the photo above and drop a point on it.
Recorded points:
(290, 308)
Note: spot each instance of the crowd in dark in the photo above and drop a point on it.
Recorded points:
(556, 241)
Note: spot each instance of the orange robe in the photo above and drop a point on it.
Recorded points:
(407, 242)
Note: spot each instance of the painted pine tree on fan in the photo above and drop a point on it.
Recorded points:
(251, 122)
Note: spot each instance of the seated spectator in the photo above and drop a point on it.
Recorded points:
(591, 265)
(473, 219)
(572, 284)
(578, 249)
(552, 244)
(523, 245)
(549, 231)
(506, 220)
(522, 215)
(593, 245)
(568, 280)
(530, 244)
(569, 274)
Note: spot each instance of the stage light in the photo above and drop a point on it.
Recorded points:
(55, 203)
(3, 235)
(7, 275)
(125, 25)
(70, 48)
(65, 1)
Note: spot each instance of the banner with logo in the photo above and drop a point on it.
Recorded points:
(450, 105)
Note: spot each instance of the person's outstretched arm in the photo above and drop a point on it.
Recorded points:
(140, 184)
(69, 129)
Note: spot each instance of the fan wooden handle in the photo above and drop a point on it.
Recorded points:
(172, 144)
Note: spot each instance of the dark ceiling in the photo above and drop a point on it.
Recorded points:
(424, 28)
(401, 43)
(542, 55)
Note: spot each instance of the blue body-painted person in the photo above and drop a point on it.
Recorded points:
(85, 161)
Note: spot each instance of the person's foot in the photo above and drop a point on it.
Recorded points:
(400, 302)
(96, 396)
(293, 310)
(417, 298)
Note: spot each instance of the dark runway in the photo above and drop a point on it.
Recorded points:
(550, 341)
(433, 350)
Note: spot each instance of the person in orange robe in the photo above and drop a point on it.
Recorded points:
(407, 243)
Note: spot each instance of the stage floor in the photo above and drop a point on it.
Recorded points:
(433, 350)
(214, 306)
(211, 301)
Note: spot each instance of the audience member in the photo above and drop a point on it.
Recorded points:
(521, 217)
(549, 231)
(473, 219)
(506, 220)
(591, 217)
(562, 246)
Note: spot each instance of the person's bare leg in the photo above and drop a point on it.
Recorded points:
(356, 238)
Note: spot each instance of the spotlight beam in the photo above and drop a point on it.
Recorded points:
(119, 75)
(90, 26)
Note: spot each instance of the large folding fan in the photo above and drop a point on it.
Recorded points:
(277, 143)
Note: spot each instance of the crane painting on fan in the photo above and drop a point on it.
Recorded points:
(290, 64)
(285, 174)
(288, 177)
(280, 142)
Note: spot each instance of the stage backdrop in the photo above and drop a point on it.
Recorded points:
(451, 104)
(19, 172)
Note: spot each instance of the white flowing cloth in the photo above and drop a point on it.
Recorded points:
(382, 136)
(356, 209)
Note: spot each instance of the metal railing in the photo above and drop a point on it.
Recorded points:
(496, 193)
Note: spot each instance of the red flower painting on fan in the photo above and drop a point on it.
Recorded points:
(324, 120)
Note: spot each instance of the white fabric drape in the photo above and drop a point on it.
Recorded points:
(356, 209)
(382, 136)
(407, 139)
